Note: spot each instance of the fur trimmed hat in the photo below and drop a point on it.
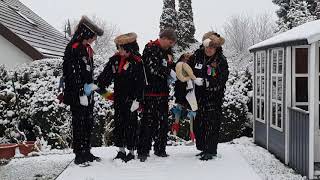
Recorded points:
(212, 39)
(126, 39)
(90, 25)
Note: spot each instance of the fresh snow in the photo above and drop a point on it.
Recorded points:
(239, 159)
(264, 163)
(182, 164)
(309, 31)
(30, 168)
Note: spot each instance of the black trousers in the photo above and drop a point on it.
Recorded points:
(154, 125)
(206, 127)
(82, 125)
(126, 125)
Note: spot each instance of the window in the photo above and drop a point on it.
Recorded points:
(277, 81)
(300, 81)
(260, 85)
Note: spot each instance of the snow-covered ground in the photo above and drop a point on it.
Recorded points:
(35, 168)
(264, 163)
(240, 159)
(182, 164)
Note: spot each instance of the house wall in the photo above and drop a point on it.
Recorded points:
(11, 55)
(260, 134)
(299, 141)
(265, 135)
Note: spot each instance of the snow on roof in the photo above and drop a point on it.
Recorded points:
(309, 31)
(31, 28)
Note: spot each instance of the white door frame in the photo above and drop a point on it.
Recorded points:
(267, 95)
(253, 55)
(317, 128)
(288, 98)
(313, 103)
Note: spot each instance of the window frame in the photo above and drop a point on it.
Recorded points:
(259, 75)
(299, 75)
(277, 101)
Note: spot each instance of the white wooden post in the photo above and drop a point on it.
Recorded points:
(313, 100)
(267, 95)
(317, 130)
(288, 88)
(254, 96)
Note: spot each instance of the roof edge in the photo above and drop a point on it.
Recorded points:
(25, 47)
(283, 44)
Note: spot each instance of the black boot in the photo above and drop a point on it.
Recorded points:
(90, 157)
(121, 155)
(130, 157)
(161, 154)
(80, 159)
(207, 157)
(142, 158)
(200, 154)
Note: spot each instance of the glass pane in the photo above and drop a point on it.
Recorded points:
(258, 63)
(280, 88)
(301, 89)
(262, 109)
(258, 85)
(263, 57)
(279, 112)
(274, 62)
(273, 113)
(258, 108)
(274, 87)
(262, 86)
(280, 61)
(306, 108)
(302, 60)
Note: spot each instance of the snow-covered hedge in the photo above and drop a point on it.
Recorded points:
(236, 115)
(34, 110)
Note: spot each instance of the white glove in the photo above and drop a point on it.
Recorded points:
(207, 83)
(198, 81)
(173, 74)
(189, 84)
(135, 106)
(94, 87)
(84, 100)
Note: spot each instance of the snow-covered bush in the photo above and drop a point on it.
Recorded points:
(294, 13)
(236, 116)
(34, 108)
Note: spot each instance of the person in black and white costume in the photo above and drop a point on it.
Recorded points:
(126, 71)
(78, 87)
(211, 67)
(159, 65)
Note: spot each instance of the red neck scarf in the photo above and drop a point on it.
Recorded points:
(90, 51)
(123, 61)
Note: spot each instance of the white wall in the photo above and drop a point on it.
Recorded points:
(10, 55)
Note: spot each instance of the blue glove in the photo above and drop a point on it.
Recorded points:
(88, 89)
